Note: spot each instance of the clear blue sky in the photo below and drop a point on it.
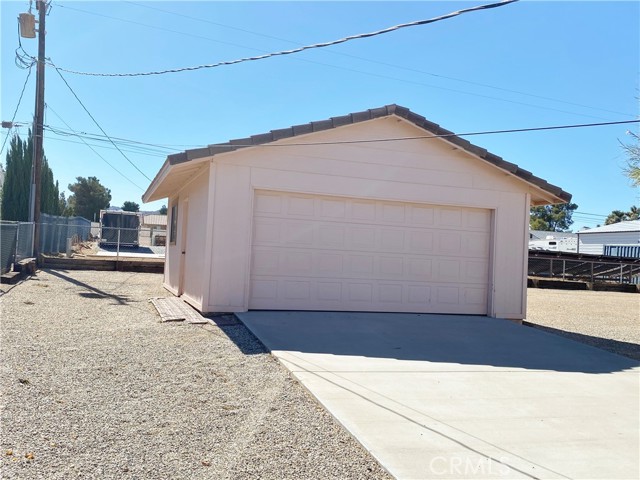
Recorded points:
(577, 62)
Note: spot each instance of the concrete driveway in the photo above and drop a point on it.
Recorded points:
(439, 396)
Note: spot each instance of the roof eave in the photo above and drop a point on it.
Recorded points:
(551, 194)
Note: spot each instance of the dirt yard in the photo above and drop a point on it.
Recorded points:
(608, 320)
(93, 386)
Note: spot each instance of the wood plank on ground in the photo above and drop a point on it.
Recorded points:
(174, 309)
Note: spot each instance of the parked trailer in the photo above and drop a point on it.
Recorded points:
(119, 226)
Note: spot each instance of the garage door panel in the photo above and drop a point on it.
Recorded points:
(329, 264)
(300, 206)
(422, 216)
(421, 241)
(268, 203)
(419, 268)
(449, 217)
(295, 289)
(265, 262)
(343, 264)
(447, 270)
(298, 234)
(362, 295)
(362, 237)
(449, 243)
(363, 211)
(334, 209)
(266, 231)
(476, 271)
(263, 289)
(325, 253)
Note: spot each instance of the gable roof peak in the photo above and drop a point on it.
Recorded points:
(363, 116)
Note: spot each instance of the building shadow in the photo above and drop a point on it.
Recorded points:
(446, 339)
(93, 292)
(627, 349)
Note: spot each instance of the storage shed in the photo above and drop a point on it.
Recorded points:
(620, 239)
(379, 210)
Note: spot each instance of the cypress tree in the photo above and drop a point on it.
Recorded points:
(17, 183)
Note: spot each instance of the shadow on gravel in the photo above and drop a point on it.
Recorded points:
(94, 293)
(233, 328)
(631, 350)
(447, 339)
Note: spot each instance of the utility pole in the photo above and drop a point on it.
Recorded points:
(38, 130)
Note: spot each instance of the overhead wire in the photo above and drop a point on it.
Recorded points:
(393, 65)
(420, 137)
(15, 112)
(96, 122)
(125, 144)
(96, 137)
(298, 49)
(106, 147)
(94, 150)
(372, 74)
(590, 214)
(155, 27)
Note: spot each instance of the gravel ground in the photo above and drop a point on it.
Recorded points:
(608, 320)
(93, 386)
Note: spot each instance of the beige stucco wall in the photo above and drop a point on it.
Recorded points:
(193, 207)
(424, 171)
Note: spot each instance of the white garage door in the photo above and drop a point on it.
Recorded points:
(313, 252)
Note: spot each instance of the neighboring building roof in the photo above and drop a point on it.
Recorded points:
(542, 234)
(628, 226)
(352, 118)
(154, 219)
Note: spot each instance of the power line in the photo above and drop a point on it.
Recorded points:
(299, 49)
(97, 124)
(393, 65)
(349, 69)
(95, 136)
(108, 148)
(15, 112)
(94, 150)
(420, 137)
(155, 27)
(590, 214)
(133, 148)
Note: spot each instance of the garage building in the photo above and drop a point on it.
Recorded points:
(379, 210)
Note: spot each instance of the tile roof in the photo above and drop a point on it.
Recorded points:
(363, 116)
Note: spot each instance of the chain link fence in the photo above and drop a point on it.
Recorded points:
(16, 243)
(58, 234)
(56, 231)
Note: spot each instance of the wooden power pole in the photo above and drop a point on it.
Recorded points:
(38, 134)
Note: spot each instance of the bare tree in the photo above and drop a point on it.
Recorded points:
(632, 169)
